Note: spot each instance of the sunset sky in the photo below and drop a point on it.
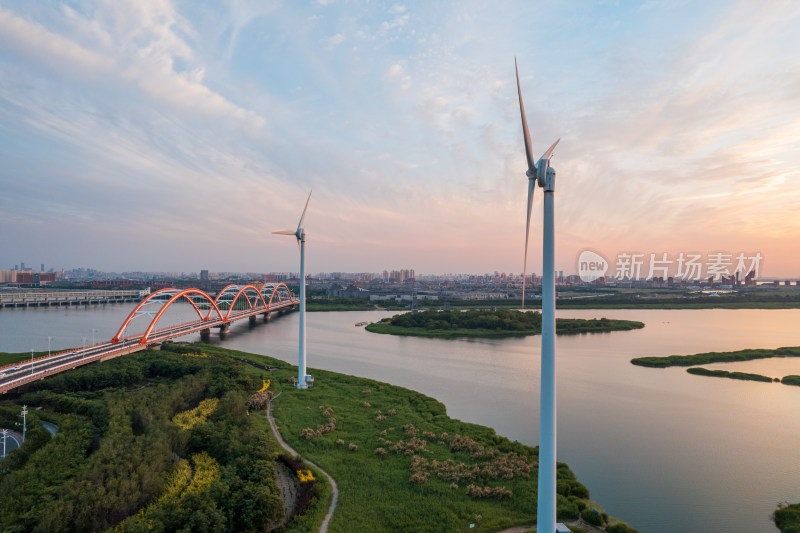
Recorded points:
(175, 136)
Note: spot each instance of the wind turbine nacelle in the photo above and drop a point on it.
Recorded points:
(550, 180)
(541, 171)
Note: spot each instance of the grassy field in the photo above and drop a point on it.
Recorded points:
(403, 465)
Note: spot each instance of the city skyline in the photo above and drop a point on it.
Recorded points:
(156, 137)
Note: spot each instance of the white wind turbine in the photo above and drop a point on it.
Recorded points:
(545, 176)
(302, 378)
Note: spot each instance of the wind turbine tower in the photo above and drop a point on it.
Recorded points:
(541, 173)
(303, 379)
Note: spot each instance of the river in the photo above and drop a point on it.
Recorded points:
(662, 449)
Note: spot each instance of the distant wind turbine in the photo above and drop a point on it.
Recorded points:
(545, 176)
(302, 378)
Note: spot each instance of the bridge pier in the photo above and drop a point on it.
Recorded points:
(205, 334)
(252, 320)
(224, 329)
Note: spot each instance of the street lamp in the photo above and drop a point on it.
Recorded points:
(31, 360)
(48, 345)
(24, 421)
(5, 434)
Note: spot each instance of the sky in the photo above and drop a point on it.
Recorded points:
(156, 135)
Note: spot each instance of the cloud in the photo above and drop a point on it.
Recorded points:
(171, 119)
(31, 42)
(394, 71)
(335, 39)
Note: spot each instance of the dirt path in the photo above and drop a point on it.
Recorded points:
(324, 527)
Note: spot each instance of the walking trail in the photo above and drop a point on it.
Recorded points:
(324, 527)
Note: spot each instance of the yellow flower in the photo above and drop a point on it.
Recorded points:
(305, 476)
(192, 417)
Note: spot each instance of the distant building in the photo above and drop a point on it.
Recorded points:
(204, 275)
(34, 278)
(350, 291)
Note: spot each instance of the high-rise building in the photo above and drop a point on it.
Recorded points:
(204, 275)
(42, 269)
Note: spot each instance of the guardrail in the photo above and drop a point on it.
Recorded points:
(56, 298)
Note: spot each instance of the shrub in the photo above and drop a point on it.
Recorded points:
(488, 492)
(620, 527)
(259, 400)
(591, 516)
(418, 477)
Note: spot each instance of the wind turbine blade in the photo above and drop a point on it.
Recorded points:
(283, 232)
(531, 187)
(300, 224)
(525, 132)
(549, 151)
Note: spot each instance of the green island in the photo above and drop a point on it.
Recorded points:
(745, 376)
(787, 517)
(715, 357)
(490, 324)
(791, 380)
(178, 438)
(725, 357)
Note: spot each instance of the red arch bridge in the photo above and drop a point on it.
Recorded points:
(234, 302)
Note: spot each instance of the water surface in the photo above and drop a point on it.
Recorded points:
(660, 448)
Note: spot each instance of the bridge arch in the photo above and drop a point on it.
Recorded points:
(276, 289)
(249, 297)
(239, 291)
(172, 296)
